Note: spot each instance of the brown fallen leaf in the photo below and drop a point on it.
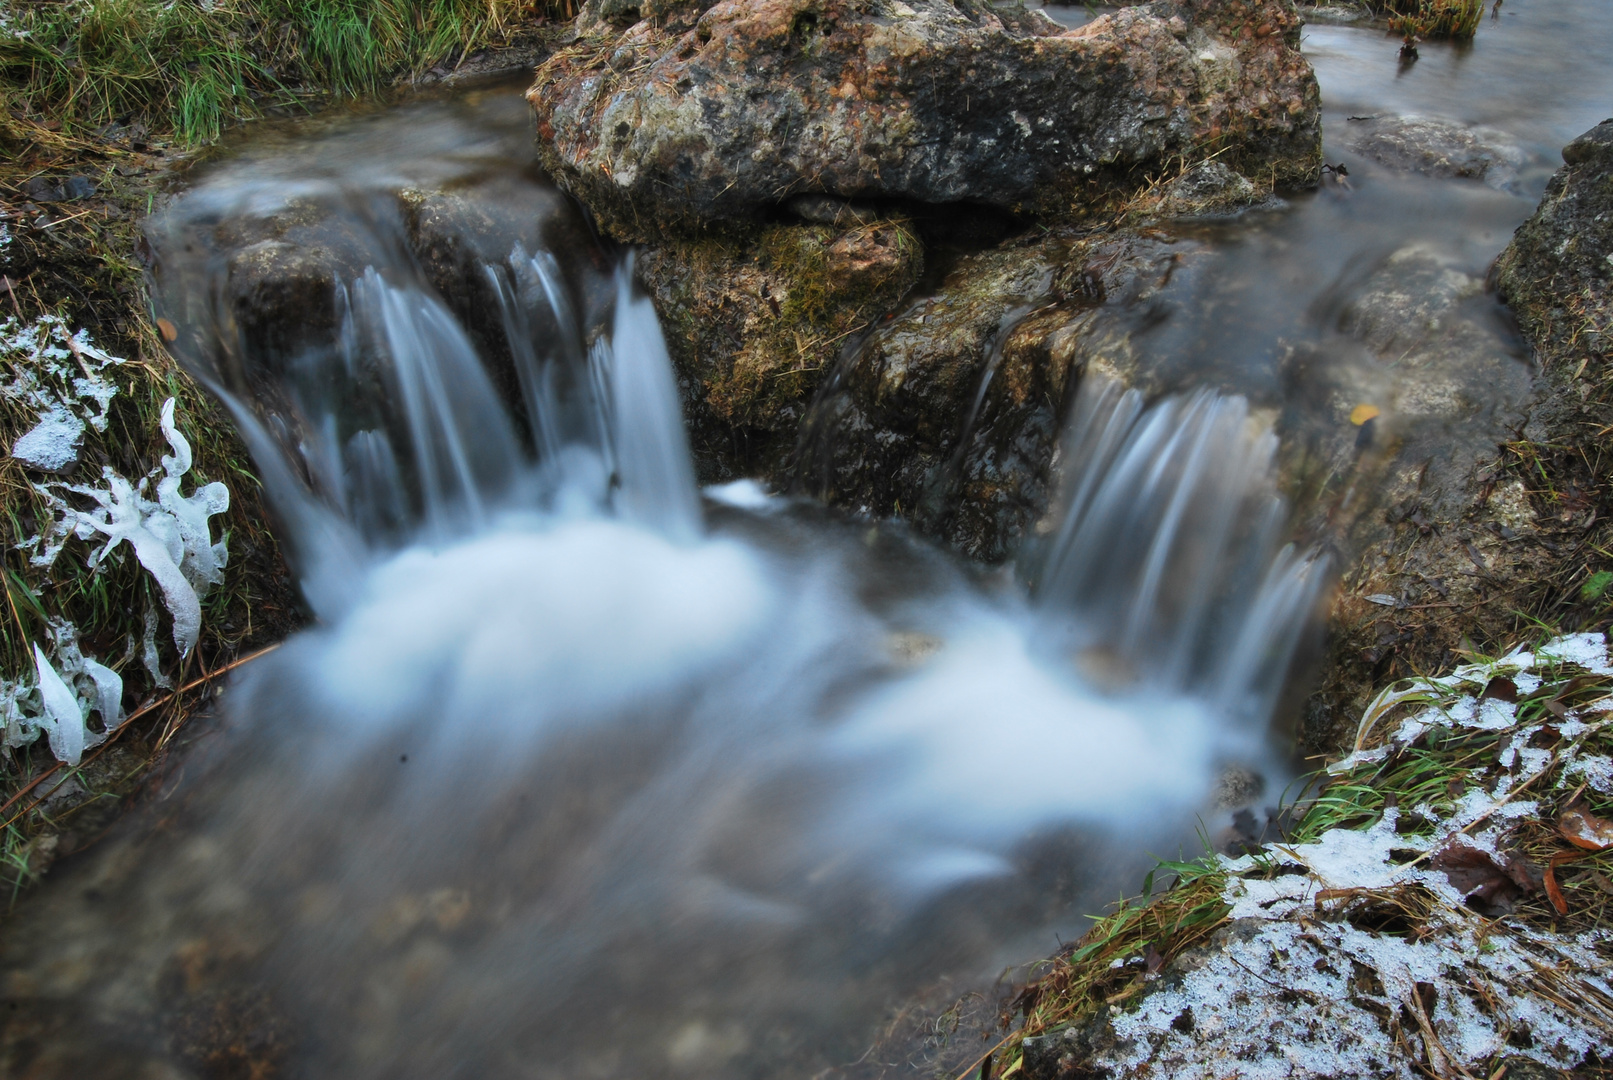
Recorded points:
(1492, 884)
(1501, 688)
(1553, 892)
(1585, 830)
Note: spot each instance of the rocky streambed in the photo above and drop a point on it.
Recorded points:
(890, 242)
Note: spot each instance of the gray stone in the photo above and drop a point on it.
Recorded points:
(727, 112)
(1438, 148)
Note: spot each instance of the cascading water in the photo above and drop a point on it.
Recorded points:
(583, 774)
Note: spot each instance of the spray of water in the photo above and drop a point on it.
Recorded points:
(585, 775)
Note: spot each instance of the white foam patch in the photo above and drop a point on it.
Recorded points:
(742, 495)
(583, 617)
(992, 740)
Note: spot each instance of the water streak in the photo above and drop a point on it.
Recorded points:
(582, 775)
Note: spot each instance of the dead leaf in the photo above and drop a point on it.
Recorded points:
(1585, 830)
(1501, 688)
(168, 330)
(1491, 884)
(1553, 892)
(1362, 413)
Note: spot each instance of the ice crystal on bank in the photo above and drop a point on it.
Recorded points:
(57, 373)
(65, 380)
(60, 699)
(170, 535)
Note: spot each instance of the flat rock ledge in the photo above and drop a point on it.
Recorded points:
(665, 120)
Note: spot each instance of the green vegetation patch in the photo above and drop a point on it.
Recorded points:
(193, 67)
(1457, 19)
(1441, 895)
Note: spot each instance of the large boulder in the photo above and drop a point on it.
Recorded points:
(1558, 272)
(725, 113)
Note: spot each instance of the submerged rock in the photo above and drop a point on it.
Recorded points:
(699, 113)
(1438, 148)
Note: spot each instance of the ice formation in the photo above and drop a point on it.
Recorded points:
(57, 373)
(170, 535)
(67, 380)
(60, 699)
(52, 444)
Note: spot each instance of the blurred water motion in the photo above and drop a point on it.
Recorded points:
(583, 774)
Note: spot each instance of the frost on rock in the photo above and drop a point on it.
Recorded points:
(1307, 980)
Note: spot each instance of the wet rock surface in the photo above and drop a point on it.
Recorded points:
(950, 412)
(703, 113)
(1558, 271)
(753, 325)
(1436, 147)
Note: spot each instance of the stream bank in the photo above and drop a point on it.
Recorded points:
(76, 183)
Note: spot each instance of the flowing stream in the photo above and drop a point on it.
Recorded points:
(585, 771)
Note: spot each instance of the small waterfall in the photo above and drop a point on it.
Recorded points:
(1167, 560)
(462, 449)
(583, 776)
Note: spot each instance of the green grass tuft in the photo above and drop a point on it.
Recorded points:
(191, 69)
(1458, 19)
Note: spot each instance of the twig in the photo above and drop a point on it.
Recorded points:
(104, 747)
(72, 217)
(981, 1060)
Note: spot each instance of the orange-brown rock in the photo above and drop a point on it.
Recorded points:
(689, 115)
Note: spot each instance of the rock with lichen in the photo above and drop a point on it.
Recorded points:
(666, 118)
(754, 324)
(1557, 274)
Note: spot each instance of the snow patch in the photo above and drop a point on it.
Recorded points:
(52, 444)
(1294, 988)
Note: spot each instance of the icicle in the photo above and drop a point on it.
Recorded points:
(148, 652)
(201, 560)
(63, 722)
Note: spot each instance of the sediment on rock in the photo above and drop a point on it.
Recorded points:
(723, 113)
